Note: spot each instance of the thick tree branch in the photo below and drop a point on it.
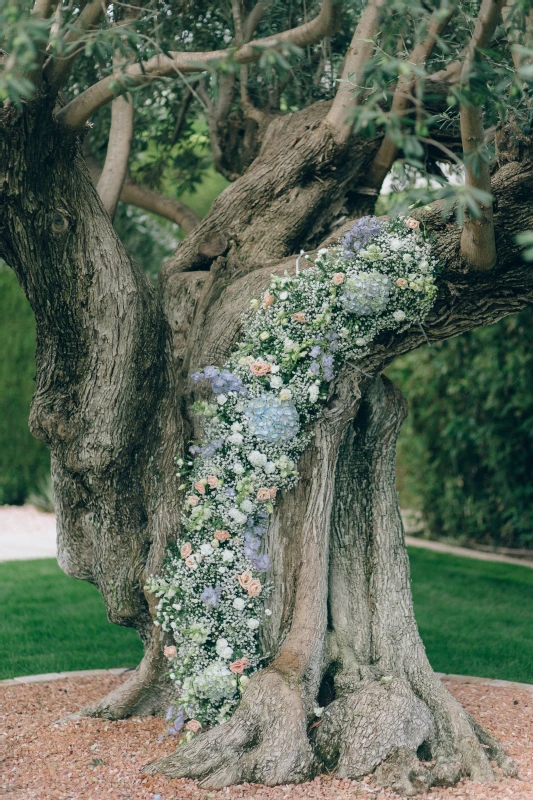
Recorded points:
(118, 150)
(388, 150)
(478, 246)
(360, 51)
(56, 70)
(156, 203)
(43, 9)
(76, 113)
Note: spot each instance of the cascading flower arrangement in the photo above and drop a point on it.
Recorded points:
(212, 591)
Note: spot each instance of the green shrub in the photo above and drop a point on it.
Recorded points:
(466, 452)
(24, 461)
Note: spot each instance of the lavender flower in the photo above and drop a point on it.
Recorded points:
(222, 381)
(261, 563)
(211, 597)
(358, 236)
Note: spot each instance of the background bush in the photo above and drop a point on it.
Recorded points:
(466, 451)
(24, 461)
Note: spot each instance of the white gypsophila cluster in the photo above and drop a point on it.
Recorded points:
(296, 339)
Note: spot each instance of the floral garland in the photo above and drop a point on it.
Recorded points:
(296, 339)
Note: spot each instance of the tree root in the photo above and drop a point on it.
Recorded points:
(264, 742)
(384, 728)
(360, 730)
(146, 692)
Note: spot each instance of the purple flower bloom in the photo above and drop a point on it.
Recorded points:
(358, 236)
(261, 563)
(315, 351)
(327, 365)
(314, 368)
(230, 491)
(211, 372)
(211, 597)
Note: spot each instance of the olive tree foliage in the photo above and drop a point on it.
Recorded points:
(307, 107)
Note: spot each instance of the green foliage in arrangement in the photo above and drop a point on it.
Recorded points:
(475, 619)
(466, 451)
(24, 461)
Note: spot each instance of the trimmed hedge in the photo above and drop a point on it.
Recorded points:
(24, 461)
(465, 456)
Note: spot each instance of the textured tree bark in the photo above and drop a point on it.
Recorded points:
(112, 402)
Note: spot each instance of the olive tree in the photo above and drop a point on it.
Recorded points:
(307, 110)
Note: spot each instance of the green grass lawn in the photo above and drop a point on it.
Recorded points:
(476, 618)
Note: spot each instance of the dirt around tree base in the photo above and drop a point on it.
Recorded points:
(91, 759)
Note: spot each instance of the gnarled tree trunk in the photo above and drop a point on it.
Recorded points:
(113, 403)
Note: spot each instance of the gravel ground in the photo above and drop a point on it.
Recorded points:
(91, 759)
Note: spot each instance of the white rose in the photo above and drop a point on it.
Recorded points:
(256, 458)
(206, 549)
(247, 506)
(221, 399)
(239, 604)
(236, 427)
(285, 394)
(237, 515)
(220, 645)
(264, 335)
(268, 612)
(269, 467)
(253, 624)
(237, 468)
(283, 295)
(274, 368)
(399, 315)
(360, 342)
(236, 438)
(395, 244)
(227, 652)
(313, 393)
(228, 556)
(276, 382)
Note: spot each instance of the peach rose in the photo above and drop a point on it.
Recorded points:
(193, 500)
(338, 278)
(222, 536)
(213, 481)
(412, 223)
(263, 494)
(254, 588)
(170, 652)
(401, 282)
(200, 487)
(268, 299)
(259, 367)
(299, 316)
(237, 667)
(245, 579)
(186, 550)
(190, 562)
(273, 492)
(193, 725)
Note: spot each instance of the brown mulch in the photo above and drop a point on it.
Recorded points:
(91, 759)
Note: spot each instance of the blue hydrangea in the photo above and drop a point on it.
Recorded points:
(358, 236)
(272, 420)
(222, 381)
(366, 293)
